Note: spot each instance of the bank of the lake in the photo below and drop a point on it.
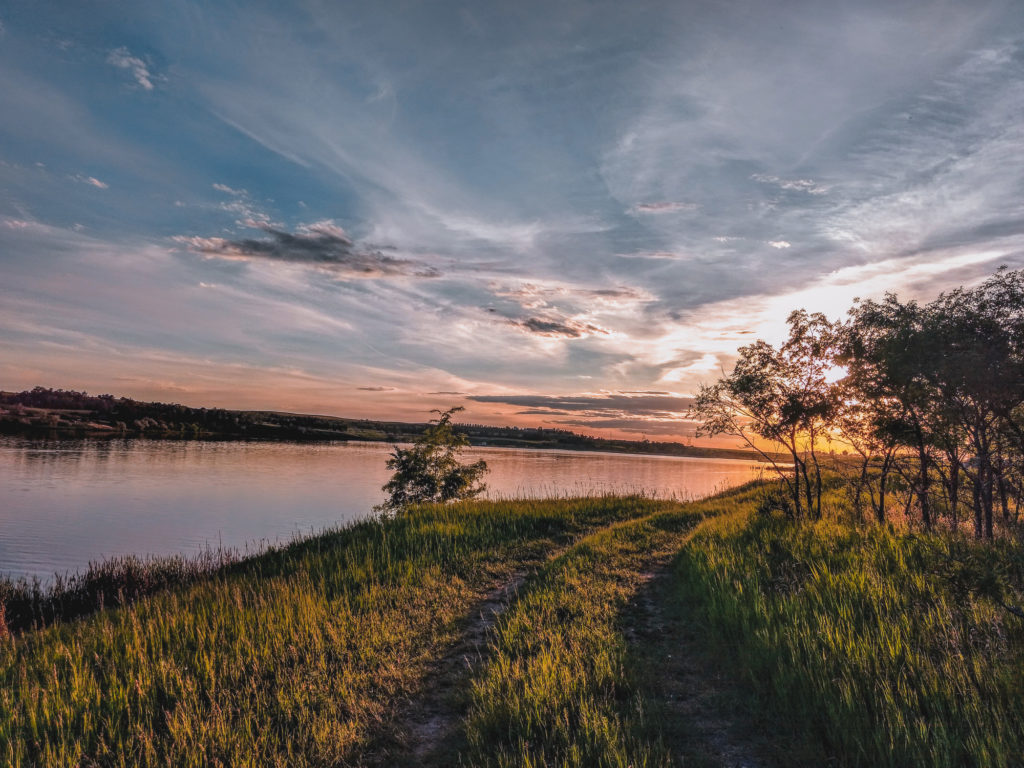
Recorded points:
(638, 632)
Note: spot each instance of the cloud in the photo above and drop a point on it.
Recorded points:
(322, 244)
(230, 191)
(123, 59)
(651, 412)
(779, 244)
(674, 427)
(91, 181)
(535, 294)
(660, 255)
(242, 206)
(619, 404)
(810, 186)
(668, 206)
(569, 329)
(376, 389)
(19, 224)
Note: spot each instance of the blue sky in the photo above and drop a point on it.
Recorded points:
(566, 214)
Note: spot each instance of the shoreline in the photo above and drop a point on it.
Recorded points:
(62, 435)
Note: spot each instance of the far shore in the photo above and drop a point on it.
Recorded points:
(62, 414)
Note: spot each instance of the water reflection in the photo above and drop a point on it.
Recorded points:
(63, 503)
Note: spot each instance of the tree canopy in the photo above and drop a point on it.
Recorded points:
(930, 397)
(430, 470)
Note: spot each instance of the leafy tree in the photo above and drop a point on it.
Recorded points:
(980, 377)
(945, 383)
(933, 396)
(886, 349)
(430, 471)
(782, 397)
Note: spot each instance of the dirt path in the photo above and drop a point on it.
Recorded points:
(702, 725)
(427, 726)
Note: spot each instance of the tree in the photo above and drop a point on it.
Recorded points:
(782, 397)
(430, 471)
(887, 350)
(945, 383)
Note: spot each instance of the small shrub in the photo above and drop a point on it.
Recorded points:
(430, 471)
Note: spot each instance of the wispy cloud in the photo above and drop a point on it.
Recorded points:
(122, 58)
(92, 181)
(647, 404)
(535, 294)
(567, 328)
(230, 190)
(663, 207)
(654, 413)
(322, 244)
(810, 186)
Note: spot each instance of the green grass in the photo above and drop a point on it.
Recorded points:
(296, 657)
(875, 648)
(856, 646)
(559, 689)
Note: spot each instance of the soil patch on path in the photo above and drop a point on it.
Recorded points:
(694, 710)
(427, 727)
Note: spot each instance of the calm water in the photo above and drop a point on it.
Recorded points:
(65, 503)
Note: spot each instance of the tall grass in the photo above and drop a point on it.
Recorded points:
(875, 647)
(291, 658)
(27, 604)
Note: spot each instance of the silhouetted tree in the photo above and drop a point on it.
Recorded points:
(945, 383)
(781, 397)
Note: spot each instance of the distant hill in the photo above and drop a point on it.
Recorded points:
(66, 413)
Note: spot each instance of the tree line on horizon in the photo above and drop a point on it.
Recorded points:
(925, 403)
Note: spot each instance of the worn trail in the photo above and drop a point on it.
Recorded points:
(701, 722)
(427, 730)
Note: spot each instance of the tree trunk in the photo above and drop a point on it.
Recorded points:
(923, 484)
(808, 489)
(862, 483)
(817, 485)
(987, 498)
(978, 517)
(1004, 495)
(954, 495)
(882, 480)
(796, 484)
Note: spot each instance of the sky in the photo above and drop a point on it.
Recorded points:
(559, 214)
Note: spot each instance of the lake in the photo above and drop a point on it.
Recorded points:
(64, 503)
